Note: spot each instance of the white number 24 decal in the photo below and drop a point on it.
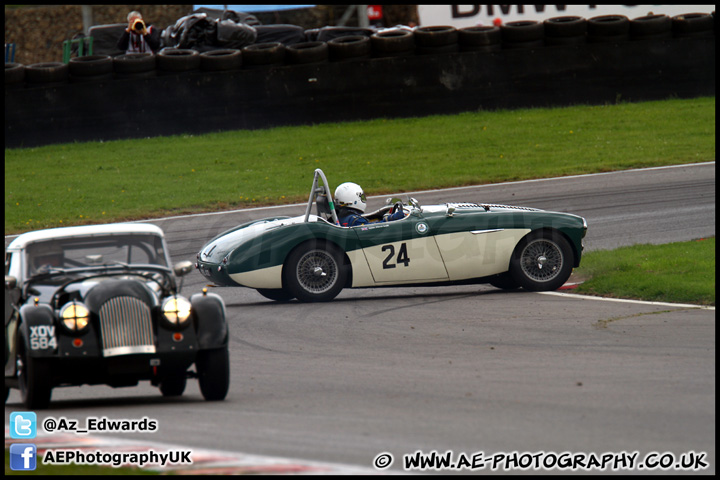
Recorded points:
(402, 256)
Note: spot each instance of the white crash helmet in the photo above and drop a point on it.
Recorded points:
(350, 195)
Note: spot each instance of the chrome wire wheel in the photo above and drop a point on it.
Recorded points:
(317, 271)
(541, 260)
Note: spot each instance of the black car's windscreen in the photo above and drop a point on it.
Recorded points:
(96, 250)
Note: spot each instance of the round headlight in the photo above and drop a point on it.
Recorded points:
(176, 310)
(75, 316)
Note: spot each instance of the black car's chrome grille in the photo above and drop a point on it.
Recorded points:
(126, 327)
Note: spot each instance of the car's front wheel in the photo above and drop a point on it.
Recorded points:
(315, 272)
(33, 379)
(542, 261)
(213, 369)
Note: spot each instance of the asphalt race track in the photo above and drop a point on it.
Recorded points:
(461, 369)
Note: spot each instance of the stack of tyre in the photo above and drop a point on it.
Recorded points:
(336, 44)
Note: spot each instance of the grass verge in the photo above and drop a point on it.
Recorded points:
(682, 272)
(102, 182)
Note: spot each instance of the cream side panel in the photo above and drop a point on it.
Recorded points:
(264, 278)
(470, 255)
(361, 275)
(424, 261)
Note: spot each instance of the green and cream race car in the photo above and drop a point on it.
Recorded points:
(312, 258)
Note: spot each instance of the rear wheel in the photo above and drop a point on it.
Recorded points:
(314, 272)
(542, 261)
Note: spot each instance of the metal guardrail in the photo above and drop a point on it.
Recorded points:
(85, 47)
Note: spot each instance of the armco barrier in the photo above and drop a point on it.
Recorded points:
(197, 101)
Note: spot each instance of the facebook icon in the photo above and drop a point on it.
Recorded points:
(23, 456)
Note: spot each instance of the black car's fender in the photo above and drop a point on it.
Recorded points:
(211, 327)
(38, 330)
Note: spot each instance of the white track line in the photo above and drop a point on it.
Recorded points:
(622, 300)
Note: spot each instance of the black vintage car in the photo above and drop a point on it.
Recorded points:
(101, 305)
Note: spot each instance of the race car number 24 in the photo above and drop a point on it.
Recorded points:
(42, 337)
(402, 256)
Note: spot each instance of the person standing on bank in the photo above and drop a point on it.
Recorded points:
(138, 37)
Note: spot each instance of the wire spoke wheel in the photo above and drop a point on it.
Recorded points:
(317, 271)
(541, 260)
(314, 272)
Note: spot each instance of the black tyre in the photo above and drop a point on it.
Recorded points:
(354, 46)
(542, 261)
(132, 63)
(392, 42)
(651, 26)
(260, 54)
(14, 73)
(314, 272)
(213, 368)
(90, 66)
(173, 384)
(277, 294)
(568, 26)
(178, 60)
(522, 32)
(49, 72)
(479, 36)
(306, 52)
(437, 36)
(220, 60)
(608, 28)
(691, 24)
(34, 377)
(569, 30)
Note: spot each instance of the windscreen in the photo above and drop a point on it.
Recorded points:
(130, 249)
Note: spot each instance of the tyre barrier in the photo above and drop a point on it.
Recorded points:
(264, 54)
(440, 39)
(220, 60)
(90, 68)
(14, 75)
(480, 39)
(345, 48)
(135, 65)
(392, 43)
(345, 43)
(177, 60)
(608, 29)
(568, 30)
(650, 27)
(693, 24)
(523, 34)
(306, 52)
(46, 74)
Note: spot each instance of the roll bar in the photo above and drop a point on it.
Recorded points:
(323, 189)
